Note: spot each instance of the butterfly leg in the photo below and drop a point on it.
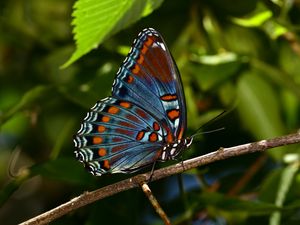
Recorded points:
(182, 164)
(152, 171)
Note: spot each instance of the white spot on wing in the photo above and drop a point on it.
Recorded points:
(173, 150)
(163, 155)
(162, 46)
(176, 122)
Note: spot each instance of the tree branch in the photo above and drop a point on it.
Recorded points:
(223, 153)
(155, 204)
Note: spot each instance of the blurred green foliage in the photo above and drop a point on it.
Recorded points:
(241, 56)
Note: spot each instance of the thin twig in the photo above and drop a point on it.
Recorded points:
(223, 153)
(155, 203)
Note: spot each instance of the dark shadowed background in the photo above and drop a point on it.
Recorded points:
(240, 56)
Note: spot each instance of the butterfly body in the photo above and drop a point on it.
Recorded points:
(145, 118)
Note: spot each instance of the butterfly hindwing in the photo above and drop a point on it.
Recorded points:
(115, 130)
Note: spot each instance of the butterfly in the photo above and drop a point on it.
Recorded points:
(144, 119)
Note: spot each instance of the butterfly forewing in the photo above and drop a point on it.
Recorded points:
(149, 78)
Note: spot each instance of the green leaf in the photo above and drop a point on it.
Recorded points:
(12, 186)
(213, 70)
(95, 20)
(259, 107)
(36, 94)
(254, 21)
(63, 169)
(287, 177)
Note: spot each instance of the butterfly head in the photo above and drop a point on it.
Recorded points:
(170, 151)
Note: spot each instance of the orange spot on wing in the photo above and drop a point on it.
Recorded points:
(117, 148)
(132, 117)
(126, 124)
(141, 113)
(180, 135)
(158, 154)
(168, 97)
(153, 137)
(97, 140)
(149, 41)
(102, 152)
(113, 110)
(101, 128)
(129, 79)
(117, 139)
(140, 59)
(156, 126)
(123, 131)
(106, 164)
(125, 104)
(105, 119)
(173, 114)
(140, 135)
(144, 49)
(169, 137)
(136, 69)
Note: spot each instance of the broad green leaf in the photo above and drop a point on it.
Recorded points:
(276, 75)
(95, 20)
(259, 107)
(260, 110)
(214, 70)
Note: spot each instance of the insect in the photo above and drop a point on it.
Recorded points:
(144, 119)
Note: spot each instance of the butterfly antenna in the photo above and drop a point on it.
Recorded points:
(209, 122)
(207, 132)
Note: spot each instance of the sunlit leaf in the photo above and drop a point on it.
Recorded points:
(260, 112)
(255, 20)
(95, 20)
